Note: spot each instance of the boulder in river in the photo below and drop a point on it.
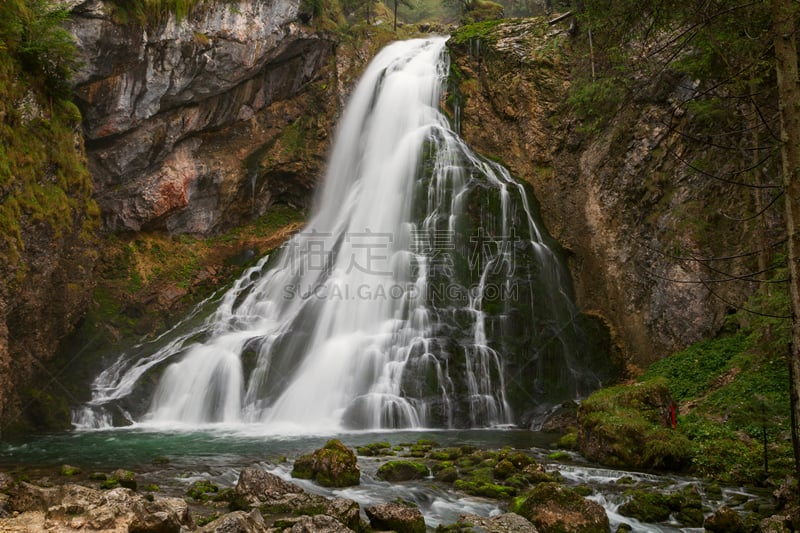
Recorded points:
(396, 517)
(554, 508)
(333, 465)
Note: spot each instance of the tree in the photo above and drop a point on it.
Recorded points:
(784, 24)
(406, 3)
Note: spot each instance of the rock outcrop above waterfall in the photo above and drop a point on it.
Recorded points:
(630, 212)
(176, 110)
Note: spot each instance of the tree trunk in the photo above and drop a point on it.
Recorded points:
(784, 27)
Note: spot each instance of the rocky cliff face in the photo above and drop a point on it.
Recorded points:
(629, 211)
(172, 110)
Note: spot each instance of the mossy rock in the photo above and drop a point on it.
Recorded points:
(68, 470)
(537, 474)
(125, 478)
(485, 489)
(559, 456)
(445, 454)
(333, 465)
(568, 441)
(647, 507)
(119, 478)
(303, 467)
(202, 490)
(504, 469)
(519, 459)
(402, 471)
(447, 475)
(375, 449)
(109, 483)
(725, 520)
(555, 508)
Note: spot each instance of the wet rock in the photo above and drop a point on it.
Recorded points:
(561, 419)
(647, 507)
(256, 487)
(333, 465)
(447, 475)
(165, 515)
(319, 524)
(402, 471)
(237, 522)
(392, 516)
(272, 495)
(498, 524)
(554, 508)
(724, 520)
(345, 511)
(122, 478)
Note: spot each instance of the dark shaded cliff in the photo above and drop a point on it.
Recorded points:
(618, 195)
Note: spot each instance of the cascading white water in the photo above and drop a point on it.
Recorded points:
(376, 315)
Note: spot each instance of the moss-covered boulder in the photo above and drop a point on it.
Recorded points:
(554, 508)
(446, 475)
(120, 478)
(725, 520)
(69, 470)
(647, 506)
(375, 449)
(402, 471)
(333, 465)
(628, 426)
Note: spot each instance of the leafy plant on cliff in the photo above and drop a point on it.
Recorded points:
(44, 182)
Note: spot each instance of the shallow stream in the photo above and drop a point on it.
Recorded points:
(173, 459)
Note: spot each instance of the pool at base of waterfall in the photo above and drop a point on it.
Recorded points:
(172, 460)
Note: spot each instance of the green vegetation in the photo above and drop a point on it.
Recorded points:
(44, 182)
(733, 390)
(153, 12)
(202, 490)
(595, 103)
(477, 30)
(627, 426)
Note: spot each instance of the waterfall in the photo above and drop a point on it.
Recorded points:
(422, 293)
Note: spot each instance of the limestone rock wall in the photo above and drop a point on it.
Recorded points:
(172, 110)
